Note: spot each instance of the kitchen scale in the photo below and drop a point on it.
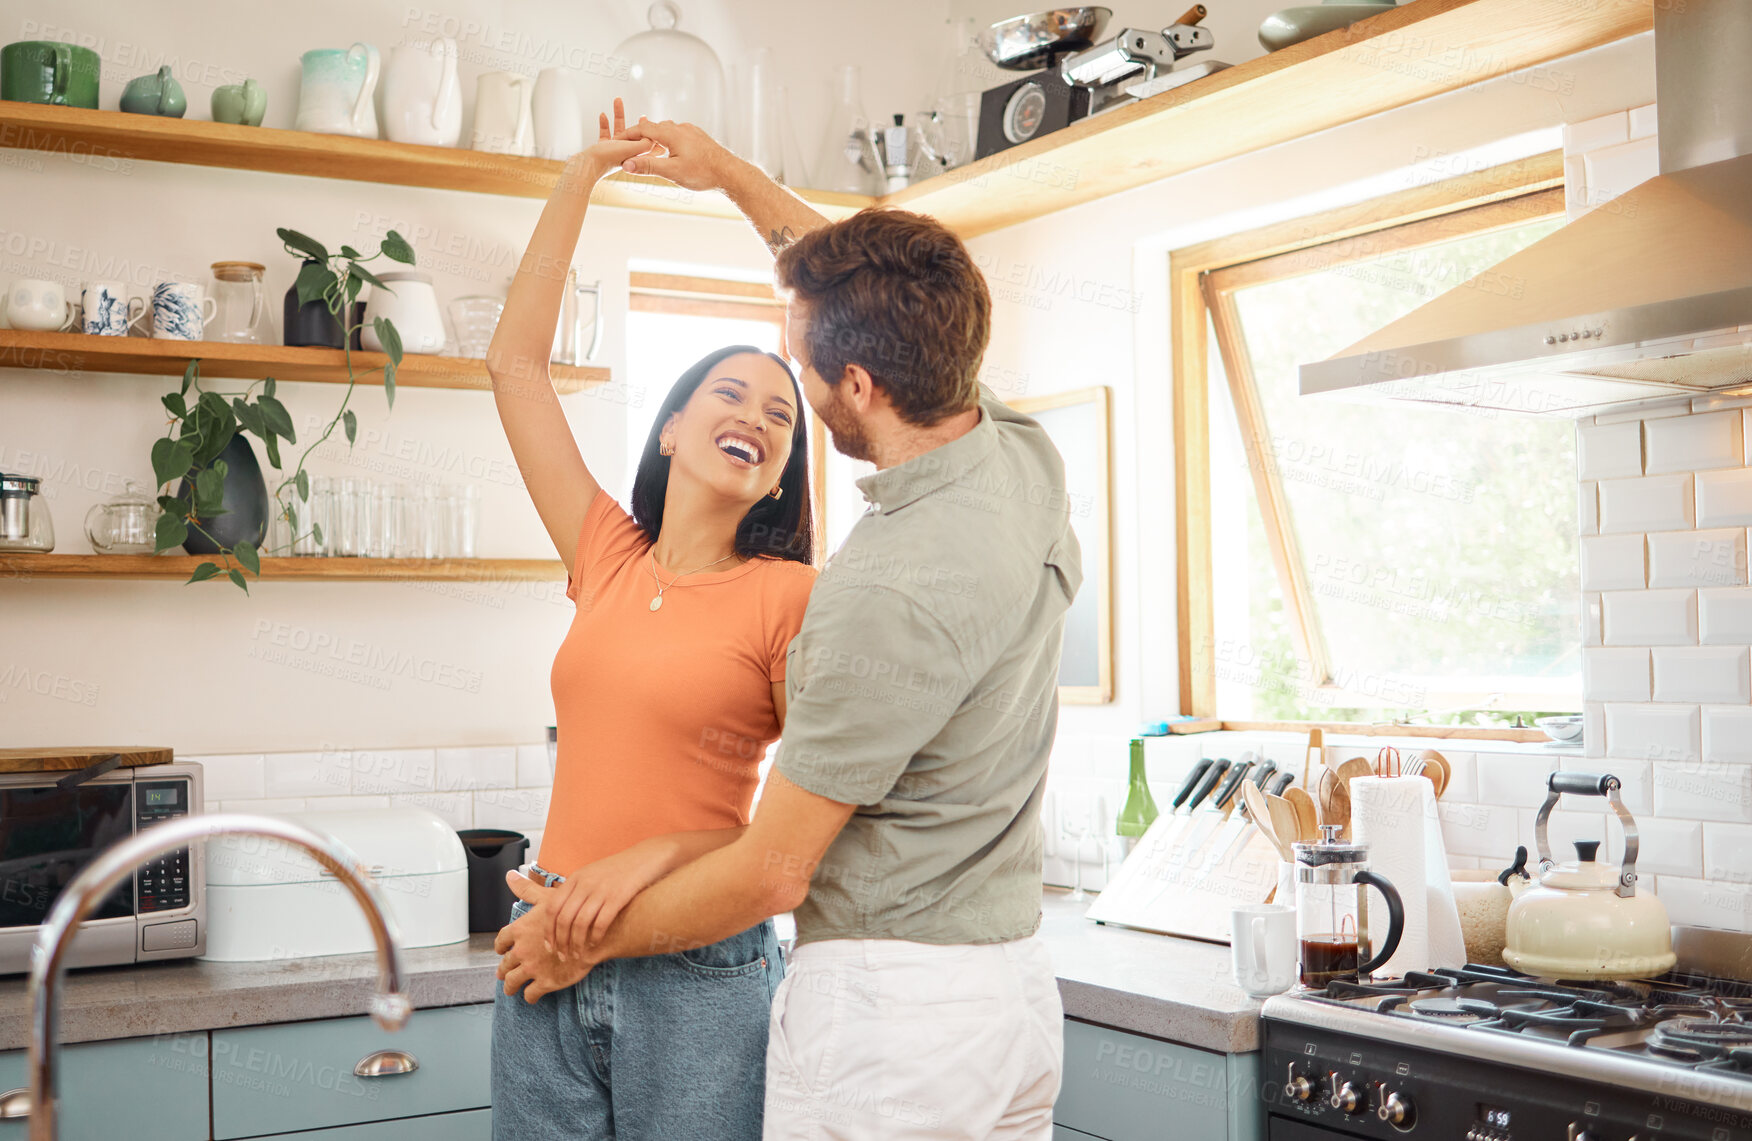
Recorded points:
(1073, 74)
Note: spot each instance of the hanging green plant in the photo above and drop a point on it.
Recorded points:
(204, 423)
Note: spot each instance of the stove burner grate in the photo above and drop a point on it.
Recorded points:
(1701, 1039)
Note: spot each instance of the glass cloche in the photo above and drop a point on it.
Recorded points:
(673, 75)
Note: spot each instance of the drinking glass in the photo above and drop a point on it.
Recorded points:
(475, 318)
(345, 516)
(419, 529)
(458, 518)
(314, 517)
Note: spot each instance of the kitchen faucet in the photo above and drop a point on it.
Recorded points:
(390, 1007)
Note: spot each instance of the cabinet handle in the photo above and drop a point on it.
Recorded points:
(386, 1064)
(14, 1105)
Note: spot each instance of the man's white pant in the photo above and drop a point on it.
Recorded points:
(881, 1038)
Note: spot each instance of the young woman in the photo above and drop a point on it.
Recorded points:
(668, 689)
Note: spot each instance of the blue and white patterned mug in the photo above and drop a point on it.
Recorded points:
(105, 304)
(180, 311)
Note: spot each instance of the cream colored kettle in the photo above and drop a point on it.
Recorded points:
(1584, 920)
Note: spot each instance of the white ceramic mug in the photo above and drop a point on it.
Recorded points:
(38, 306)
(558, 115)
(180, 311)
(422, 100)
(502, 114)
(105, 308)
(1262, 940)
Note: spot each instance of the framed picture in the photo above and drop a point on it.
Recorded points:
(1080, 424)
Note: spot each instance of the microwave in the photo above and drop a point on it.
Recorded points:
(49, 834)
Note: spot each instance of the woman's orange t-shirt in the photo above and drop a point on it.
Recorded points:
(664, 716)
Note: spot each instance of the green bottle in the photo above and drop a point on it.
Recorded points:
(1140, 807)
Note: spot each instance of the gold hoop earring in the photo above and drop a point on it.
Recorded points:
(778, 491)
(665, 448)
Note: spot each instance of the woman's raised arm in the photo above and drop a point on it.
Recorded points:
(517, 360)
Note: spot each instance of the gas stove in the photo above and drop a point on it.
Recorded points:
(1484, 1053)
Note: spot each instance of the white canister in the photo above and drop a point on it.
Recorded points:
(412, 308)
(422, 98)
(558, 115)
(502, 114)
(38, 306)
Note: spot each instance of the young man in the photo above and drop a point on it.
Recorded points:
(901, 821)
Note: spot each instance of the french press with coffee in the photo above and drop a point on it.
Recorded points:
(1332, 910)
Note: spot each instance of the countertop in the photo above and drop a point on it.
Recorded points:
(1178, 989)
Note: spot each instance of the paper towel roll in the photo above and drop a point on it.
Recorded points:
(1396, 818)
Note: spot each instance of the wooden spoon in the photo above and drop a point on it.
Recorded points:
(1260, 813)
(1354, 768)
(1307, 820)
(1339, 808)
(1284, 822)
(1323, 792)
(1437, 768)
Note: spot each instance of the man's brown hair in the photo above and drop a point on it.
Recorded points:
(898, 294)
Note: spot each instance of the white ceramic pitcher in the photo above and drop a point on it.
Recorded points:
(502, 113)
(559, 117)
(335, 94)
(422, 100)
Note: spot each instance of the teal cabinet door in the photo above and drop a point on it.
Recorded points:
(469, 1125)
(144, 1089)
(300, 1076)
(1125, 1087)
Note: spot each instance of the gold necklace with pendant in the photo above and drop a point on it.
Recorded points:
(657, 603)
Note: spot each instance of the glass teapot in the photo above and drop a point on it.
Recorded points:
(1332, 910)
(125, 525)
(25, 523)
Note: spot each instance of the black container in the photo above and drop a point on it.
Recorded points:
(491, 853)
(244, 517)
(311, 325)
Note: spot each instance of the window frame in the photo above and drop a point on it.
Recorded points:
(1202, 281)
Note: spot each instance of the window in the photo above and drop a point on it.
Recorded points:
(1372, 562)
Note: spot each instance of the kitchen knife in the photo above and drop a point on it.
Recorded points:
(1262, 773)
(1231, 824)
(1280, 782)
(1206, 783)
(1212, 819)
(1198, 771)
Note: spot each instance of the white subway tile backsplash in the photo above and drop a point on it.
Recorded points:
(1724, 498)
(1613, 562)
(233, 776)
(1664, 846)
(1724, 617)
(1592, 620)
(264, 806)
(1513, 778)
(1703, 903)
(1479, 829)
(1727, 852)
(1721, 674)
(465, 770)
(1613, 674)
(1588, 507)
(1695, 442)
(346, 803)
(519, 809)
(1713, 558)
(1564, 827)
(533, 768)
(1593, 729)
(1653, 503)
(1650, 618)
(1609, 451)
(454, 808)
(1727, 734)
(386, 771)
(1462, 775)
(1653, 733)
(1712, 790)
(307, 774)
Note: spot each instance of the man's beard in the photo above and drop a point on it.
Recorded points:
(844, 430)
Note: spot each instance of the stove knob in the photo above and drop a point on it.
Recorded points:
(1346, 1097)
(1580, 1132)
(1298, 1088)
(1396, 1110)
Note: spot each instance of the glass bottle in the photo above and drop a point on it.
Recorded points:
(1140, 807)
(848, 162)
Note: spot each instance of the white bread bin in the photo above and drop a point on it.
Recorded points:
(267, 900)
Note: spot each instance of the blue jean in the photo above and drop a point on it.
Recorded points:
(649, 1049)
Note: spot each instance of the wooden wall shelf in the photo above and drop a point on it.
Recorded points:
(1420, 49)
(180, 567)
(72, 353)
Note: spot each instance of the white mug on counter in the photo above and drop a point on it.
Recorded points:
(502, 114)
(38, 306)
(105, 308)
(1262, 940)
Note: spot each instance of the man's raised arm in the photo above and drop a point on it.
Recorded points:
(693, 159)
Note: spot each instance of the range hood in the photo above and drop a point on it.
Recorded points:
(1649, 295)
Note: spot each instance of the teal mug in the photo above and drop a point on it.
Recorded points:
(158, 94)
(43, 71)
(243, 103)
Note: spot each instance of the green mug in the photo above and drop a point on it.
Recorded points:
(243, 103)
(158, 94)
(43, 71)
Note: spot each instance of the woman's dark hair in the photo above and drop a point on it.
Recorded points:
(782, 528)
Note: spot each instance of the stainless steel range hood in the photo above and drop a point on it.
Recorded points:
(1649, 295)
